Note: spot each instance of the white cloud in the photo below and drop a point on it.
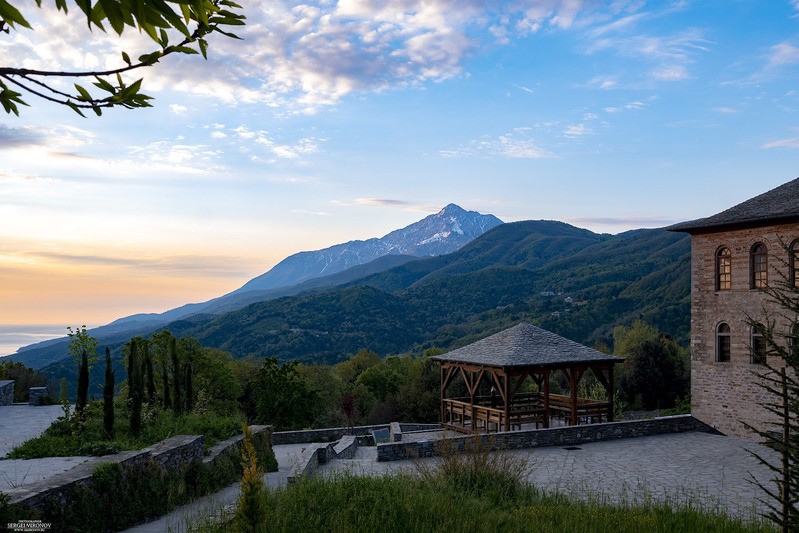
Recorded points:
(670, 73)
(576, 131)
(783, 143)
(783, 54)
(178, 109)
(218, 134)
(726, 110)
(300, 57)
(517, 144)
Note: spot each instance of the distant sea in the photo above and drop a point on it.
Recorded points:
(14, 336)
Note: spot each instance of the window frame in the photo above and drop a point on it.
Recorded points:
(758, 355)
(727, 337)
(723, 280)
(793, 263)
(758, 266)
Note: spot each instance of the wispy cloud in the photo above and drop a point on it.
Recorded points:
(517, 144)
(301, 57)
(381, 202)
(576, 131)
(783, 143)
(624, 221)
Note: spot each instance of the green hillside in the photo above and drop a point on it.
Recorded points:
(522, 271)
(496, 281)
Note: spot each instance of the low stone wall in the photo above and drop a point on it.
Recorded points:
(175, 453)
(309, 460)
(346, 447)
(335, 434)
(562, 436)
(6, 392)
(396, 432)
(37, 396)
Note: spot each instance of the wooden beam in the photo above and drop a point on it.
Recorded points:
(545, 379)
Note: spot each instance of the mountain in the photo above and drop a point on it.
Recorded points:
(438, 234)
(441, 233)
(565, 279)
(568, 280)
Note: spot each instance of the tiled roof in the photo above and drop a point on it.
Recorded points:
(781, 203)
(526, 345)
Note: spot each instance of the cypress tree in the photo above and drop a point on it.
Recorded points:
(176, 377)
(108, 397)
(134, 388)
(189, 387)
(148, 366)
(165, 379)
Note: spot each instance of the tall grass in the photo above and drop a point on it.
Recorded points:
(470, 491)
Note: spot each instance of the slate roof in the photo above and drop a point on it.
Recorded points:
(776, 205)
(526, 345)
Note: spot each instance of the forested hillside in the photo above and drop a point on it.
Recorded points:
(568, 280)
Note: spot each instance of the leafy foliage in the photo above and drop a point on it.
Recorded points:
(656, 372)
(24, 378)
(191, 22)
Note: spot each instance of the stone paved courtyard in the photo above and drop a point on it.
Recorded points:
(711, 470)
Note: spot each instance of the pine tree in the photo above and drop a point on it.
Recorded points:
(780, 377)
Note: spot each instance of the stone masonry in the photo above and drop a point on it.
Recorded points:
(726, 394)
(6, 392)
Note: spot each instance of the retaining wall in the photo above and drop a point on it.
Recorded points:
(562, 436)
(6, 392)
(334, 434)
(175, 453)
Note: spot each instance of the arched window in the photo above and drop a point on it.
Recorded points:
(758, 266)
(723, 343)
(793, 340)
(758, 345)
(793, 263)
(723, 269)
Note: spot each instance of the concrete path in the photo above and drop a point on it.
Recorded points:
(19, 423)
(697, 468)
(181, 518)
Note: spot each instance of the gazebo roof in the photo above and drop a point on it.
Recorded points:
(525, 345)
(777, 205)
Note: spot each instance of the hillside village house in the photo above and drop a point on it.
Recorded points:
(734, 254)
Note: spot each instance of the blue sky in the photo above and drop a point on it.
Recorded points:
(346, 120)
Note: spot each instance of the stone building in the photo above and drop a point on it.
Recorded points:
(734, 254)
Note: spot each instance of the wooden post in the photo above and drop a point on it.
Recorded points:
(506, 394)
(573, 392)
(546, 399)
(443, 384)
(610, 393)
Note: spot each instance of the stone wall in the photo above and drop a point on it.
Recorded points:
(726, 394)
(563, 436)
(334, 434)
(6, 392)
(37, 396)
(174, 454)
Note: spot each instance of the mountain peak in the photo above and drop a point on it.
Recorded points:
(452, 209)
(438, 234)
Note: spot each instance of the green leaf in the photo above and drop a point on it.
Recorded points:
(164, 41)
(84, 94)
(204, 48)
(11, 15)
(114, 15)
(126, 58)
(97, 110)
(104, 85)
(75, 108)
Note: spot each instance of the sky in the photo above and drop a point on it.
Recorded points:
(344, 120)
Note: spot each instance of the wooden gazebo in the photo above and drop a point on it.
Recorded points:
(495, 368)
